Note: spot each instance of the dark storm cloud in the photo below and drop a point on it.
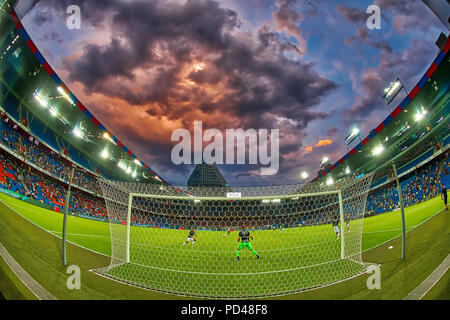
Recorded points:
(406, 14)
(41, 18)
(332, 132)
(383, 45)
(258, 74)
(372, 86)
(287, 19)
(409, 14)
(352, 14)
(247, 79)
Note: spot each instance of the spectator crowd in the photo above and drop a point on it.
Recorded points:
(41, 185)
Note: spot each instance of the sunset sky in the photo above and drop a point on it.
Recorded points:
(311, 69)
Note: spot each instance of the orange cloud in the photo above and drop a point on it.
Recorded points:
(320, 143)
(325, 142)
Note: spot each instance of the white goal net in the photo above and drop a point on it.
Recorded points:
(235, 243)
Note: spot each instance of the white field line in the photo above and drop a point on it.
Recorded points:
(175, 270)
(234, 273)
(50, 231)
(389, 230)
(39, 291)
(416, 226)
(421, 290)
(369, 232)
(80, 234)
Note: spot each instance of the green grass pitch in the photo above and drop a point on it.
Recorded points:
(94, 235)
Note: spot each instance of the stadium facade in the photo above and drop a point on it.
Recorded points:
(206, 175)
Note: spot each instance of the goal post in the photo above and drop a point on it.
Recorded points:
(341, 218)
(315, 194)
(130, 202)
(294, 245)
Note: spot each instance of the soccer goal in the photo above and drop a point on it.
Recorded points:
(235, 243)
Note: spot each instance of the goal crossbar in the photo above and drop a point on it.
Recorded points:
(289, 196)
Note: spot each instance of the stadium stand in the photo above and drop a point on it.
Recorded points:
(32, 150)
(17, 177)
(417, 186)
(47, 185)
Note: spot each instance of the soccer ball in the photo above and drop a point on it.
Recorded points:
(224, 235)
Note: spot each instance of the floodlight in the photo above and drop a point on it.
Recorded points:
(378, 150)
(330, 181)
(304, 175)
(41, 100)
(65, 95)
(347, 170)
(420, 114)
(392, 88)
(53, 112)
(107, 136)
(77, 132)
(104, 154)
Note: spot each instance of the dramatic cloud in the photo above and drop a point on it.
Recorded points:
(392, 65)
(148, 67)
(408, 14)
(352, 14)
(372, 86)
(176, 62)
(287, 19)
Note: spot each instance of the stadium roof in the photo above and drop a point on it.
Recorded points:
(30, 89)
(420, 119)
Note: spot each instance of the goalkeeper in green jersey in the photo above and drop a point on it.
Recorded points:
(244, 239)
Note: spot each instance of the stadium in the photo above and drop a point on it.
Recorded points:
(125, 224)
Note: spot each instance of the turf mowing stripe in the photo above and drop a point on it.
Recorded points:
(35, 224)
(419, 292)
(38, 290)
(364, 232)
(390, 230)
(80, 234)
(379, 245)
(404, 293)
